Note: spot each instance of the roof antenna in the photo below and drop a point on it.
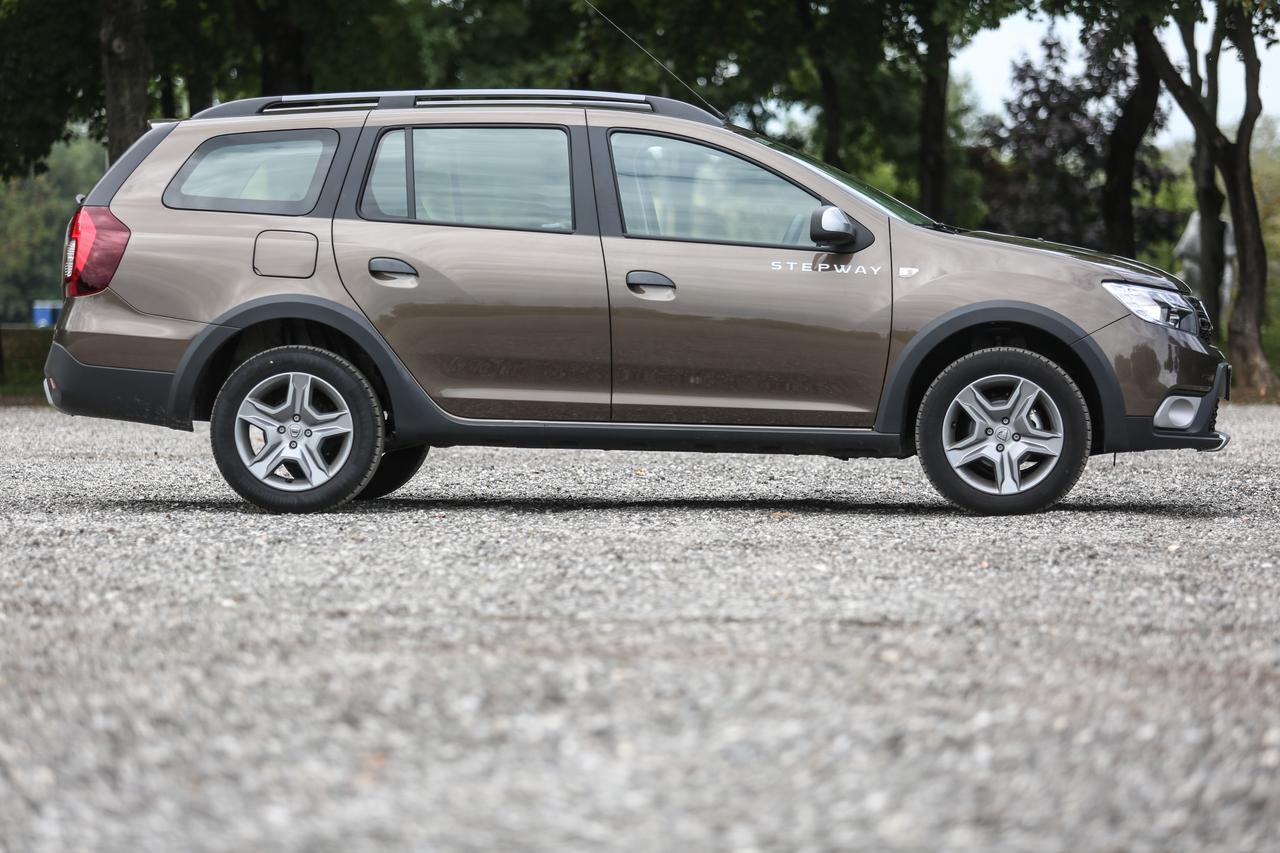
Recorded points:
(657, 61)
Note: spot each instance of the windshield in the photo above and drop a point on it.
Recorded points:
(877, 198)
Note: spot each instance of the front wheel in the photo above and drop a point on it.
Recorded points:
(297, 429)
(1003, 431)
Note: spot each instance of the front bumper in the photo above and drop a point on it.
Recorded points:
(1141, 433)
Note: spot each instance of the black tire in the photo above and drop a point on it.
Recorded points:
(931, 424)
(396, 468)
(366, 433)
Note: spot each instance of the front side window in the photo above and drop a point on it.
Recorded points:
(679, 190)
(279, 172)
(487, 177)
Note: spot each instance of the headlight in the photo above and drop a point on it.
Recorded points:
(1162, 307)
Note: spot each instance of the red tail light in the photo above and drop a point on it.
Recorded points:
(95, 245)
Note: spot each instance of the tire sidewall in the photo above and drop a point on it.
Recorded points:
(1050, 377)
(366, 424)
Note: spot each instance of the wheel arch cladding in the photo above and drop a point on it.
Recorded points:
(997, 323)
(296, 319)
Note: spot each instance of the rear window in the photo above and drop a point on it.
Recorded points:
(484, 177)
(278, 172)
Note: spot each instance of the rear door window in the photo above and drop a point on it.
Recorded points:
(483, 177)
(277, 172)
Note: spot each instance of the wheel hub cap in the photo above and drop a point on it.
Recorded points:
(1003, 434)
(293, 431)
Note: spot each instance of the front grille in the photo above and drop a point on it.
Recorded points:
(1204, 326)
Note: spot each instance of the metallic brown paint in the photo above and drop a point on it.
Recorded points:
(505, 324)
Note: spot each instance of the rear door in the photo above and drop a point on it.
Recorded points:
(470, 240)
(724, 310)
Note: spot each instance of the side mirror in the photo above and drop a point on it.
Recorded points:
(831, 227)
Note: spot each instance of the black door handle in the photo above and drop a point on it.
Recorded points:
(651, 285)
(385, 268)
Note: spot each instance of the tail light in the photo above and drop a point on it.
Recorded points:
(95, 245)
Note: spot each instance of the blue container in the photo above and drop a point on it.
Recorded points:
(45, 312)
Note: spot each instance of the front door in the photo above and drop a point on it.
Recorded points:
(471, 255)
(723, 309)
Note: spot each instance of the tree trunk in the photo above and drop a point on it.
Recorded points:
(1249, 362)
(832, 118)
(832, 115)
(168, 97)
(1252, 372)
(933, 118)
(283, 68)
(1209, 201)
(1136, 115)
(126, 69)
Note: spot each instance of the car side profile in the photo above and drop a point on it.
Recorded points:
(339, 282)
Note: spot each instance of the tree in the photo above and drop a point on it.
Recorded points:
(939, 27)
(1045, 166)
(126, 71)
(1242, 25)
(1137, 116)
(46, 83)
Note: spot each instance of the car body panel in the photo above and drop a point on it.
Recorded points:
(1151, 362)
(198, 264)
(754, 334)
(499, 323)
(106, 331)
(535, 339)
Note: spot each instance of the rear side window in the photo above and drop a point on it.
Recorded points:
(278, 172)
(486, 177)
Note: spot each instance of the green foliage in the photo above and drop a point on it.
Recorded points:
(49, 78)
(34, 211)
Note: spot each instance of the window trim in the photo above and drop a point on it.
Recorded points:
(329, 138)
(622, 216)
(409, 177)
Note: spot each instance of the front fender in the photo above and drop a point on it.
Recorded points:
(893, 414)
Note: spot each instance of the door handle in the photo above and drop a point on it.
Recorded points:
(388, 269)
(651, 285)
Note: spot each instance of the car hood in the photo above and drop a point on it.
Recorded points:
(1108, 266)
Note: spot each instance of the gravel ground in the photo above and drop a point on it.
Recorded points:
(545, 650)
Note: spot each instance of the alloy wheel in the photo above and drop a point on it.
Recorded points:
(293, 431)
(1003, 434)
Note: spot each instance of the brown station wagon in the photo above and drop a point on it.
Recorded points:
(340, 282)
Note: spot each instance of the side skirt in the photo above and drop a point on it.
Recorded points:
(815, 441)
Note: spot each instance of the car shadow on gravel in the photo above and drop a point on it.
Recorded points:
(396, 505)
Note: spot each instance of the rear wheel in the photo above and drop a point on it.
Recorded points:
(396, 468)
(1003, 431)
(297, 429)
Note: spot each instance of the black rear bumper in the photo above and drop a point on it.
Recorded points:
(106, 392)
(1202, 434)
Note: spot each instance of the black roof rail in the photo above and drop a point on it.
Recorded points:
(407, 99)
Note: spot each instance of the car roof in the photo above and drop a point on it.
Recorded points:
(410, 98)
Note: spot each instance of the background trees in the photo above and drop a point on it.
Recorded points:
(865, 84)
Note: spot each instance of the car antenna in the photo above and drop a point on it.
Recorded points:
(657, 61)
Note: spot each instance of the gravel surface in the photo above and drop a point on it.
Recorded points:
(546, 650)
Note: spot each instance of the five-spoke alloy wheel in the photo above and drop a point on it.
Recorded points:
(297, 429)
(1003, 430)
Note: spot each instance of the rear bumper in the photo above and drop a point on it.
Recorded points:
(1201, 434)
(106, 392)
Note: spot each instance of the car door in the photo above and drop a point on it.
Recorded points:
(723, 309)
(472, 245)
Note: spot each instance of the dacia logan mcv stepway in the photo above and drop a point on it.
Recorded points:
(339, 282)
